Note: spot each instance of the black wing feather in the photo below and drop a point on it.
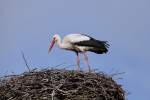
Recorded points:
(98, 46)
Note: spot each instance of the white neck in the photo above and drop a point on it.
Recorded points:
(59, 43)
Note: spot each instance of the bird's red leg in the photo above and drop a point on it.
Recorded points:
(87, 61)
(78, 62)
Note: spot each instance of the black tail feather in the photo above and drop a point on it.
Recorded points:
(98, 46)
(102, 47)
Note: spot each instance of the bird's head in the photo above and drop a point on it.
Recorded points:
(55, 39)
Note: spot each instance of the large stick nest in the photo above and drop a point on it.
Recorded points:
(60, 85)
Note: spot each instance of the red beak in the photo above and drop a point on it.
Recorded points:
(51, 46)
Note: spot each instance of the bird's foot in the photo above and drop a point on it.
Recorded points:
(78, 69)
(89, 69)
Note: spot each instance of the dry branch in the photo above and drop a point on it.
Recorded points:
(63, 84)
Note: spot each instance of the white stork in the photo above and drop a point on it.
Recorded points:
(80, 43)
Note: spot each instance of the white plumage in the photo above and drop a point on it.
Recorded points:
(72, 38)
(80, 43)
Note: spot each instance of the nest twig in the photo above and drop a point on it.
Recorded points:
(63, 84)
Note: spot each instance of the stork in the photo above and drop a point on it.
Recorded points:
(80, 43)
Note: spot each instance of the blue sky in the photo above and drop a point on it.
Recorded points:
(125, 24)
